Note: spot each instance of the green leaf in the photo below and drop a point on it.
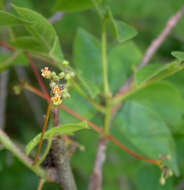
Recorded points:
(9, 59)
(73, 5)
(177, 80)
(91, 89)
(26, 3)
(152, 70)
(87, 57)
(121, 63)
(56, 52)
(89, 138)
(165, 99)
(79, 105)
(120, 30)
(66, 129)
(180, 151)
(8, 19)
(147, 131)
(179, 55)
(28, 43)
(123, 32)
(42, 30)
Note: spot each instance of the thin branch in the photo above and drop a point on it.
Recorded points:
(9, 145)
(3, 96)
(35, 71)
(171, 23)
(5, 45)
(115, 141)
(43, 132)
(56, 17)
(37, 74)
(61, 158)
(33, 102)
(41, 183)
(96, 177)
(3, 86)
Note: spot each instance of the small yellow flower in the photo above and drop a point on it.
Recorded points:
(17, 89)
(46, 73)
(170, 173)
(56, 100)
(56, 90)
(65, 62)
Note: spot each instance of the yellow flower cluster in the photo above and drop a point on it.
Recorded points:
(56, 99)
(58, 91)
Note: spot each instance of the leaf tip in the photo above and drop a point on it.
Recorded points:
(178, 54)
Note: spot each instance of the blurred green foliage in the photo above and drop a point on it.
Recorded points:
(150, 122)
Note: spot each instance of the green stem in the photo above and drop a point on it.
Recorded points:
(105, 78)
(46, 151)
(43, 132)
(122, 97)
(40, 186)
(91, 101)
(107, 119)
(9, 61)
(104, 59)
(10, 146)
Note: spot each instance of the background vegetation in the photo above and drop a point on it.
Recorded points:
(160, 104)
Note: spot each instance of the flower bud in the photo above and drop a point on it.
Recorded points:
(53, 74)
(17, 89)
(162, 180)
(61, 75)
(72, 74)
(65, 62)
(168, 157)
(52, 84)
(56, 78)
(170, 173)
(66, 95)
(68, 76)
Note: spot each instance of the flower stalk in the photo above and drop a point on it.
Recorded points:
(43, 132)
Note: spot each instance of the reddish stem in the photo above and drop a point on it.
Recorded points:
(43, 132)
(5, 45)
(35, 71)
(95, 127)
(37, 74)
(115, 141)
